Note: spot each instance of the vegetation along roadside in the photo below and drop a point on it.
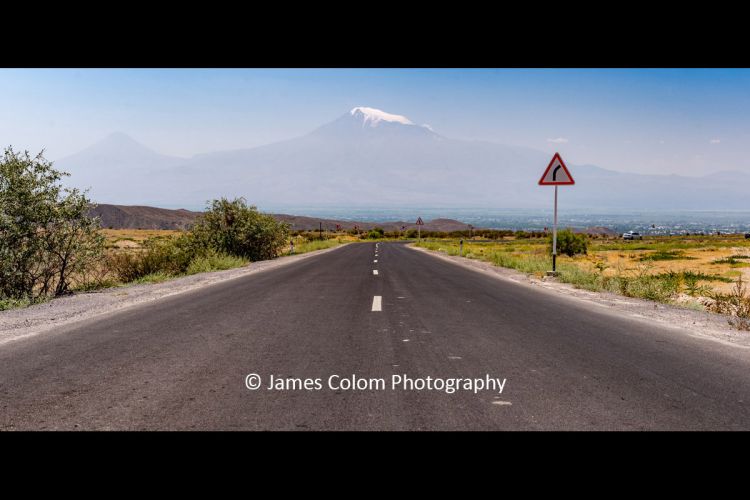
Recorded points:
(50, 246)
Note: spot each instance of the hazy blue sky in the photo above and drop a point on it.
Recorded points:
(684, 121)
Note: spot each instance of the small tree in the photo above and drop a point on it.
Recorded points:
(235, 228)
(46, 235)
(569, 243)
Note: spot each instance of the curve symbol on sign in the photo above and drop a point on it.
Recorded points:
(554, 172)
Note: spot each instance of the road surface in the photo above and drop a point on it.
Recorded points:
(181, 362)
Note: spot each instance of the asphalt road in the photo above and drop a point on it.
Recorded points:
(181, 362)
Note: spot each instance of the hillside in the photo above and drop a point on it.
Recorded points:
(312, 223)
(143, 217)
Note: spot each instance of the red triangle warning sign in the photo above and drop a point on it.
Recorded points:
(557, 173)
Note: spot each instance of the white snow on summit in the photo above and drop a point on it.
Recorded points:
(373, 117)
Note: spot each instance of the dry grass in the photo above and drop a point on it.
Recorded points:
(710, 260)
(133, 238)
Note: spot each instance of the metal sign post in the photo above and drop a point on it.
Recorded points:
(554, 237)
(420, 223)
(556, 174)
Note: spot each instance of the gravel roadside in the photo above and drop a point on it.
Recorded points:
(689, 321)
(17, 324)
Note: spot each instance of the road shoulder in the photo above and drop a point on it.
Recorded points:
(694, 323)
(16, 324)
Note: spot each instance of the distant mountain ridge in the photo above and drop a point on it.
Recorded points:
(368, 157)
(143, 217)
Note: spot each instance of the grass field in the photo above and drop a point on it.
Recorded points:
(133, 238)
(675, 269)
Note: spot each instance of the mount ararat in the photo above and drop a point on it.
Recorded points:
(370, 158)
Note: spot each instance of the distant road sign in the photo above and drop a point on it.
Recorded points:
(419, 221)
(557, 173)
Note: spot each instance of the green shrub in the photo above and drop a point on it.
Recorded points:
(46, 235)
(169, 256)
(569, 243)
(226, 236)
(234, 228)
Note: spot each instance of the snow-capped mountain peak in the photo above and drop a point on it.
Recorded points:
(373, 117)
(364, 123)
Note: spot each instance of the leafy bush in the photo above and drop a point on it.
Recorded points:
(569, 243)
(234, 228)
(225, 237)
(46, 235)
(168, 256)
(375, 233)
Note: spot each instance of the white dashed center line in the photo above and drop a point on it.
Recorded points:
(377, 303)
(375, 261)
(375, 272)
